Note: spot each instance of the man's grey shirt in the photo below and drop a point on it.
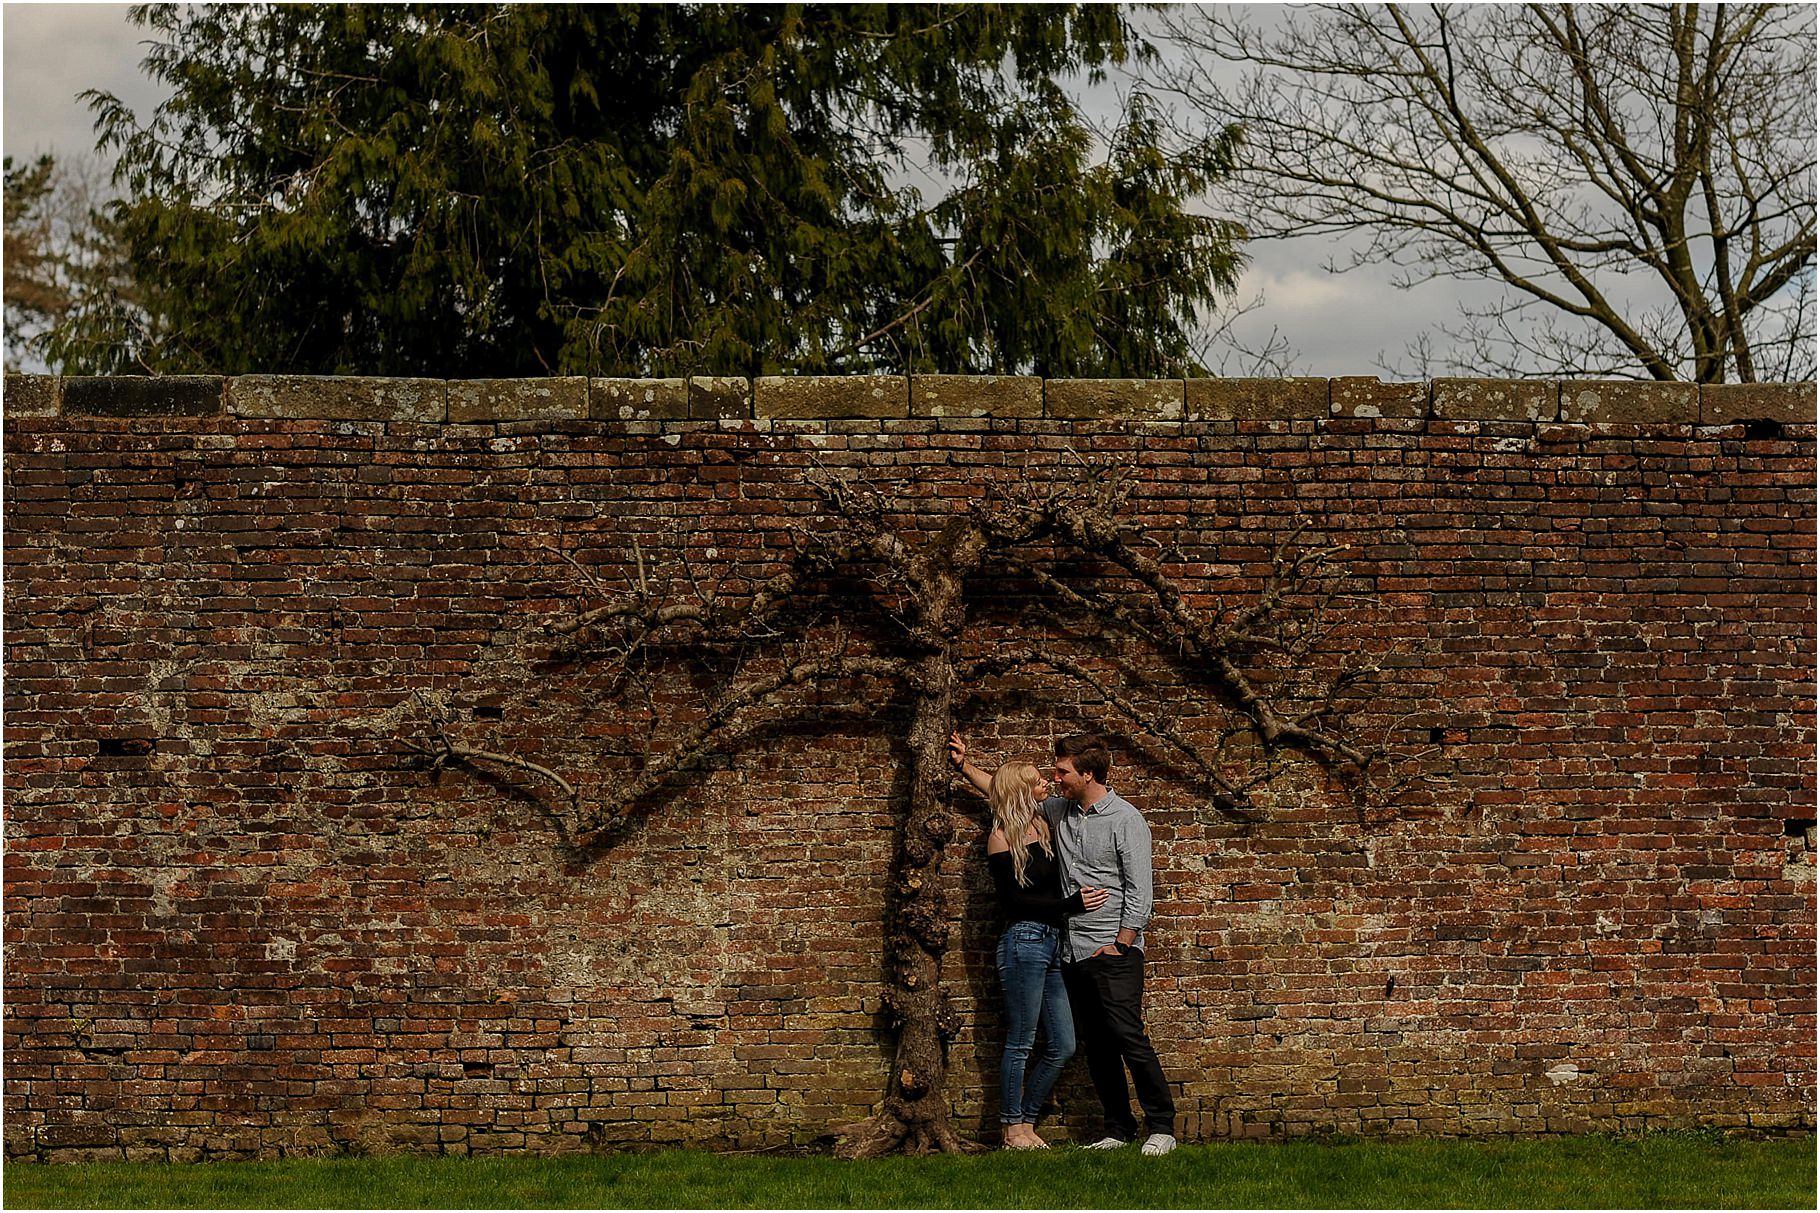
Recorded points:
(1107, 847)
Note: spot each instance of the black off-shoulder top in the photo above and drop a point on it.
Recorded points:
(1039, 901)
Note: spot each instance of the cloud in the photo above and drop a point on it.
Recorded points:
(52, 53)
(1301, 290)
(1343, 323)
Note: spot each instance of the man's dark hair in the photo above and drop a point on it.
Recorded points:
(1092, 757)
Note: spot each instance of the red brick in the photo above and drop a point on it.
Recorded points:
(271, 932)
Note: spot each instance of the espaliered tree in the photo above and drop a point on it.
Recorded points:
(915, 593)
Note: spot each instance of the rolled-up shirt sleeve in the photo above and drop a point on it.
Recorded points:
(1132, 838)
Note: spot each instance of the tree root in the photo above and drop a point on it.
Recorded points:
(887, 1133)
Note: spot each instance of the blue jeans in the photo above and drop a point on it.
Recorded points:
(1029, 968)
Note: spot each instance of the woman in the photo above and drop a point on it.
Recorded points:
(1022, 860)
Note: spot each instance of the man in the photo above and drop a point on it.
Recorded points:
(1103, 841)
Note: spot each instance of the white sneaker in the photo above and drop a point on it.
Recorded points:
(1159, 1144)
(1110, 1143)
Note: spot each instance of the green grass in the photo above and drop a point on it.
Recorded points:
(1657, 1171)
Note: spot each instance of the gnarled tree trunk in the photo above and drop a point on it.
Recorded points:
(914, 1116)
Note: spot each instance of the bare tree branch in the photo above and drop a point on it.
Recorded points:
(1227, 797)
(735, 717)
(443, 750)
(1643, 175)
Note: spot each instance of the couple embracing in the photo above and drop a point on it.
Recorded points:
(1073, 877)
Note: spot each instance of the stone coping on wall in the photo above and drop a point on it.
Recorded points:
(905, 397)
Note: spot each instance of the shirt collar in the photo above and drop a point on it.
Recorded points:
(1103, 802)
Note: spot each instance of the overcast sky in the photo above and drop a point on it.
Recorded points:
(1338, 324)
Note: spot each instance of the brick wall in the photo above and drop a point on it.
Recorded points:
(241, 921)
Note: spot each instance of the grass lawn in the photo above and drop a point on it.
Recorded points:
(1658, 1171)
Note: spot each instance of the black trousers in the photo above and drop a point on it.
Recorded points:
(1106, 994)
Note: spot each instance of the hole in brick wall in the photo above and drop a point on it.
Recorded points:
(477, 1069)
(125, 747)
(487, 711)
(1798, 850)
(1436, 736)
(1763, 428)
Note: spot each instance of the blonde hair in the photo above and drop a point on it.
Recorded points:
(1013, 797)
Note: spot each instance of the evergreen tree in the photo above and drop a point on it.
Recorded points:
(471, 190)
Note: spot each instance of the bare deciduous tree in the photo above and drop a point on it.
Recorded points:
(66, 266)
(1639, 177)
(873, 611)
